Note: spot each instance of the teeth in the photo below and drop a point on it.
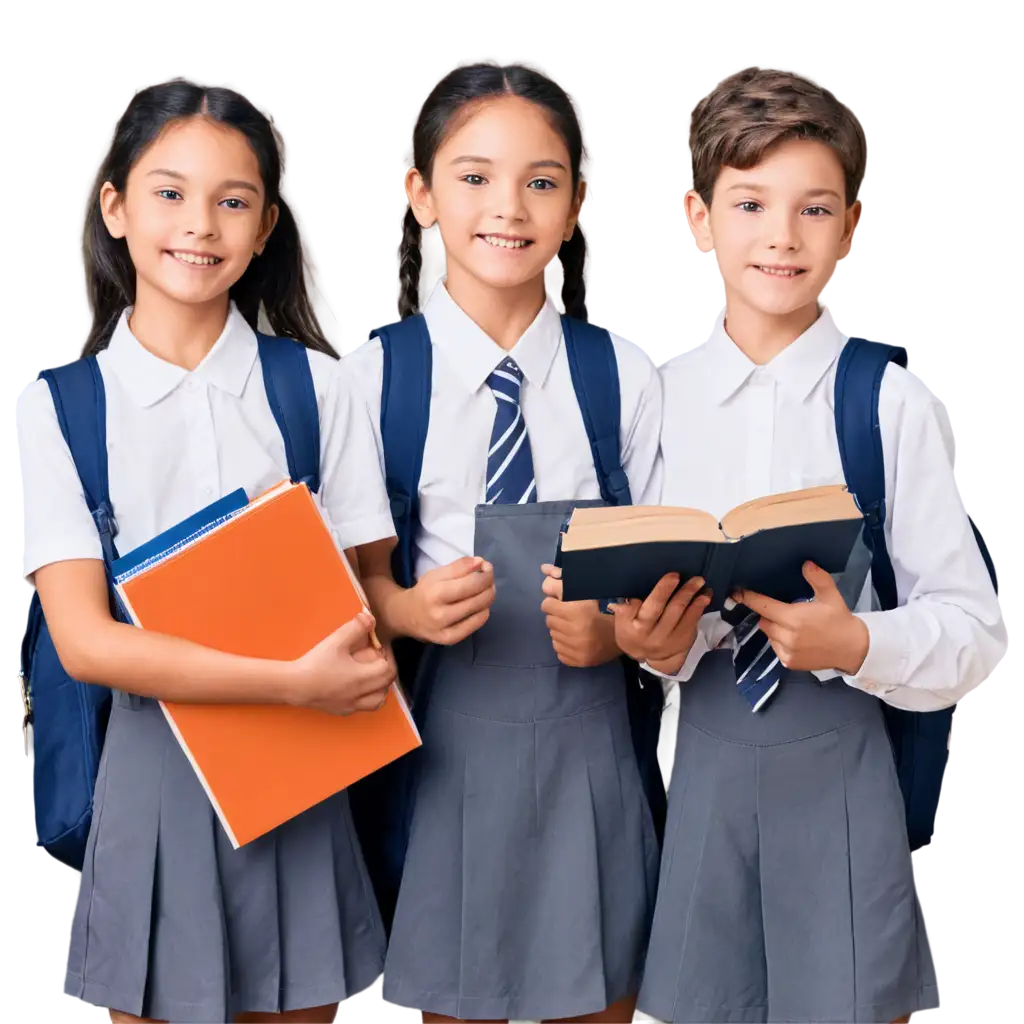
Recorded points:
(202, 261)
(505, 243)
(776, 272)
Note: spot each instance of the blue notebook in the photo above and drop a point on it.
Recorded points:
(180, 536)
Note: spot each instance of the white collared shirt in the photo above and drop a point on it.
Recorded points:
(178, 440)
(462, 408)
(734, 431)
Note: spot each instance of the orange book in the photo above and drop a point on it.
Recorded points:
(263, 579)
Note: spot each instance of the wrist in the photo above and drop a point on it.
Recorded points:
(401, 613)
(285, 683)
(855, 649)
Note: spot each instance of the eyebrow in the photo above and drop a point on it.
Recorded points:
(236, 184)
(487, 160)
(750, 186)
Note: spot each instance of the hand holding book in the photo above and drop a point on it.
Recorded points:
(661, 629)
(812, 636)
(345, 672)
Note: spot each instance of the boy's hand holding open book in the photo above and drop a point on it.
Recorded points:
(815, 635)
(661, 629)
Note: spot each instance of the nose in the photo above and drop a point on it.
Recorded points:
(199, 219)
(508, 202)
(782, 234)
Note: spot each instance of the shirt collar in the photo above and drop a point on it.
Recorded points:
(148, 378)
(797, 368)
(473, 354)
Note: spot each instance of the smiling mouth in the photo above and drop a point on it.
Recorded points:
(194, 259)
(779, 271)
(506, 241)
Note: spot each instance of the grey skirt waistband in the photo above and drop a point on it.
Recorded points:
(801, 707)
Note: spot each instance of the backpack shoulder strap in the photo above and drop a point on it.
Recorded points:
(289, 385)
(404, 417)
(858, 384)
(595, 378)
(80, 401)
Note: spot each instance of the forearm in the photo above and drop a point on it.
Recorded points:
(167, 668)
(390, 605)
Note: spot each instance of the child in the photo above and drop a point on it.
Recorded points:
(786, 888)
(532, 858)
(187, 237)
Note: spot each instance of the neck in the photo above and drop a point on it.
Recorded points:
(178, 332)
(503, 314)
(762, 336)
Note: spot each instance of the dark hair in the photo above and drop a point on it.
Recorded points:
(275, 280)
(469, 84)
(750, 112)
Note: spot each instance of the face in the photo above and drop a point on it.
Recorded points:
(777, 229)
(192, 212)
(501, 193)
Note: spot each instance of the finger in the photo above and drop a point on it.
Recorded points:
(687, 625)
(455, 590)
(354, 634)
(460, 630)
(370, 678)
(459, 568)
(554, 571)
(625, 611)
(552, 586)
(766, 607)
(657, 600)
(371, 701)
(675, 610)
(821, 582)
(776, 632)
(552, 607)
(455, 613)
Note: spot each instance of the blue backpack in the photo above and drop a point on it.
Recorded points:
(68, 717)
(382, 803)
(920, 740)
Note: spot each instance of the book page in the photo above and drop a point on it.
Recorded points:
(638, 524)
(792, 508)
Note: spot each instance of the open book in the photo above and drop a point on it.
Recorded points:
(622, 551)
(263, 579)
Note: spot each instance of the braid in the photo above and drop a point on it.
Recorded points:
(573, 255)
(410, 260)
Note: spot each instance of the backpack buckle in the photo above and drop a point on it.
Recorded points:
(618, 483)
(105, 521)
(874, 515)
(26, 703)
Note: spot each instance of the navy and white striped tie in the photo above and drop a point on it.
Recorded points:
(757, 666)
(509, 459)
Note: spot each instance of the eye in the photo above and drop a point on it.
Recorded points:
(235, 204)
(818, 211)
(168, 193)
(473, 179)
(542, 185)
(749, 206)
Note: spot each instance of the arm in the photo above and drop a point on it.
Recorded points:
(948, 633)
(341, 674)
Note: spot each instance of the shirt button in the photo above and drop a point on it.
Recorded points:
(190, 384)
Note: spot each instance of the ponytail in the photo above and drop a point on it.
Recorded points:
(410, 262)
(573, 255)
(276, 279)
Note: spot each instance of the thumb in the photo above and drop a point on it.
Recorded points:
(355, 633)
(821, 582)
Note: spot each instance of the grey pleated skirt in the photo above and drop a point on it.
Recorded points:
(786, 890)
(174, 923)
(530, 875)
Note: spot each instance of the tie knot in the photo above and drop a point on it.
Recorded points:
(506, 379)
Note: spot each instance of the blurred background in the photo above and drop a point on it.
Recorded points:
(939, 261)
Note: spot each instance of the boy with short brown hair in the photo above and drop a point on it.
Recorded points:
(786, 890)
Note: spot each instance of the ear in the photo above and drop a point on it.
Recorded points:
(269, 223)
(420, 200)
(698, 216)
(574, 212)
(852, 220)
(112, 210)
